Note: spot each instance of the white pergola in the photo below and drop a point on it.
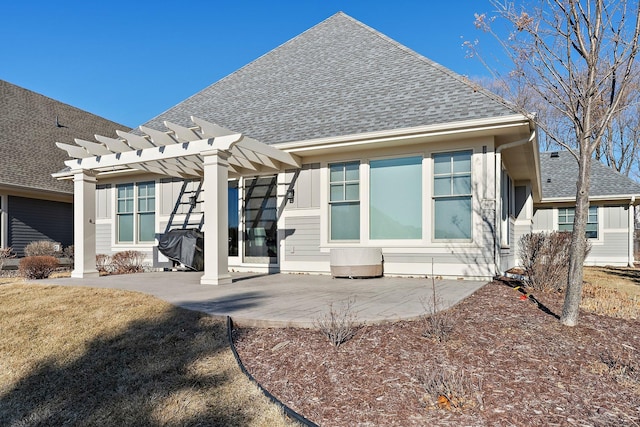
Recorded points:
(206, 151)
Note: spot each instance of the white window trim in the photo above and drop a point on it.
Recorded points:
(433, 197)
(597, 241)
(114, 203)
(362, 169)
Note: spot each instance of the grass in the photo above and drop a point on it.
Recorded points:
(82, 356)
(612, 291)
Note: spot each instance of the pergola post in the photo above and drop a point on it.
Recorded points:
(84, 225)
(216, 228)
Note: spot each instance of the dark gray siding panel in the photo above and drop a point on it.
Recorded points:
(34, 219)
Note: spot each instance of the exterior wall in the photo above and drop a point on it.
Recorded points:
(612, 245)
(305, 223)
(34, 219)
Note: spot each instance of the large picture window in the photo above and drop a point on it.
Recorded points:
(136, 201)
(567, 215)
(395, 199)
(344, 201)
(452, 195)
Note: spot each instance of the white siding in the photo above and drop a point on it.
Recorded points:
(103, 201)
(615, 217)
(543, 219)
(103, 238)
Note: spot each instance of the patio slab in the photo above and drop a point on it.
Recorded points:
(282, 300)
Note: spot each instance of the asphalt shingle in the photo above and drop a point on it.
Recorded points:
(28, 133)
(559, 174)
(338, 78)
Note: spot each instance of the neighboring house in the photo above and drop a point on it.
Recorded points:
(349, 145)
(34, 205)
(612, 196)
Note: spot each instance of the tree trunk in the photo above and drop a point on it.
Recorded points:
(573, 294)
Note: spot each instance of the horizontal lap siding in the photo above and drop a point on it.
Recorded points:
(302, 239)
(614, 245)
(103, 239)
(31, 220)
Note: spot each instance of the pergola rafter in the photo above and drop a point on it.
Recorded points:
(206, 151)
(176, 152)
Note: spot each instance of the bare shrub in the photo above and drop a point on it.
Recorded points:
(103, 263)
(37, 267)
(451, 389)
(623, 364)
(69, 253)
(438, 325)
(339, 324)
(5, 253)
(42, 248)
(545, 259)
(127, 262)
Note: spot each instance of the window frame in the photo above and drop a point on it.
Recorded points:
(136, 212)
(568, 224)
(344, 201)
(452, 194)
(416, 160)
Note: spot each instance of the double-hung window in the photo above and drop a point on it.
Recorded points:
(452, 195)
(136, 205)
(344, 201)
(567, 215)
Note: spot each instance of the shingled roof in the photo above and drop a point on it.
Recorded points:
(28, 155)
(338, 78)
(559, 172)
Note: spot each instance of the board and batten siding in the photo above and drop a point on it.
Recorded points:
(31, 220)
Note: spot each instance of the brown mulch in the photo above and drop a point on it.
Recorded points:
(509, 361)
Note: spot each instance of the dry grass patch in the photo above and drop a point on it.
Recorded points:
(106, 357)
(612, 291)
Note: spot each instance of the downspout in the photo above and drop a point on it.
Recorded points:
(631, 255)
(498, 231)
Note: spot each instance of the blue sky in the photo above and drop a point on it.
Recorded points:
(129, 60)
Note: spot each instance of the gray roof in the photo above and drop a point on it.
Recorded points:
(559, 175)
(28, 155)
(338, 78)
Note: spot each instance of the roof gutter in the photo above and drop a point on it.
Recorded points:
(436, 130)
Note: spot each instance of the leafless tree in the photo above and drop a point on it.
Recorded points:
(578, 56)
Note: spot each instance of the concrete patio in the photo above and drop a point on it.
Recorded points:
(280, 300)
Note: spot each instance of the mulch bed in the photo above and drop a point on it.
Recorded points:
(507, 362)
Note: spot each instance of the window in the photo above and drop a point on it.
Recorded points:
(344, 201)
(566, 216)
(395, 207)
(141, 207)
(452, 195)
(146, 211)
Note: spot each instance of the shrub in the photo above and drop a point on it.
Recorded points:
(127, 262)
(450, 389)
(103, 263)
(340, 324)
(42, 248)
(69, 253)
(438, 325)
(545, 259)
(37, 267)
(4, 255)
